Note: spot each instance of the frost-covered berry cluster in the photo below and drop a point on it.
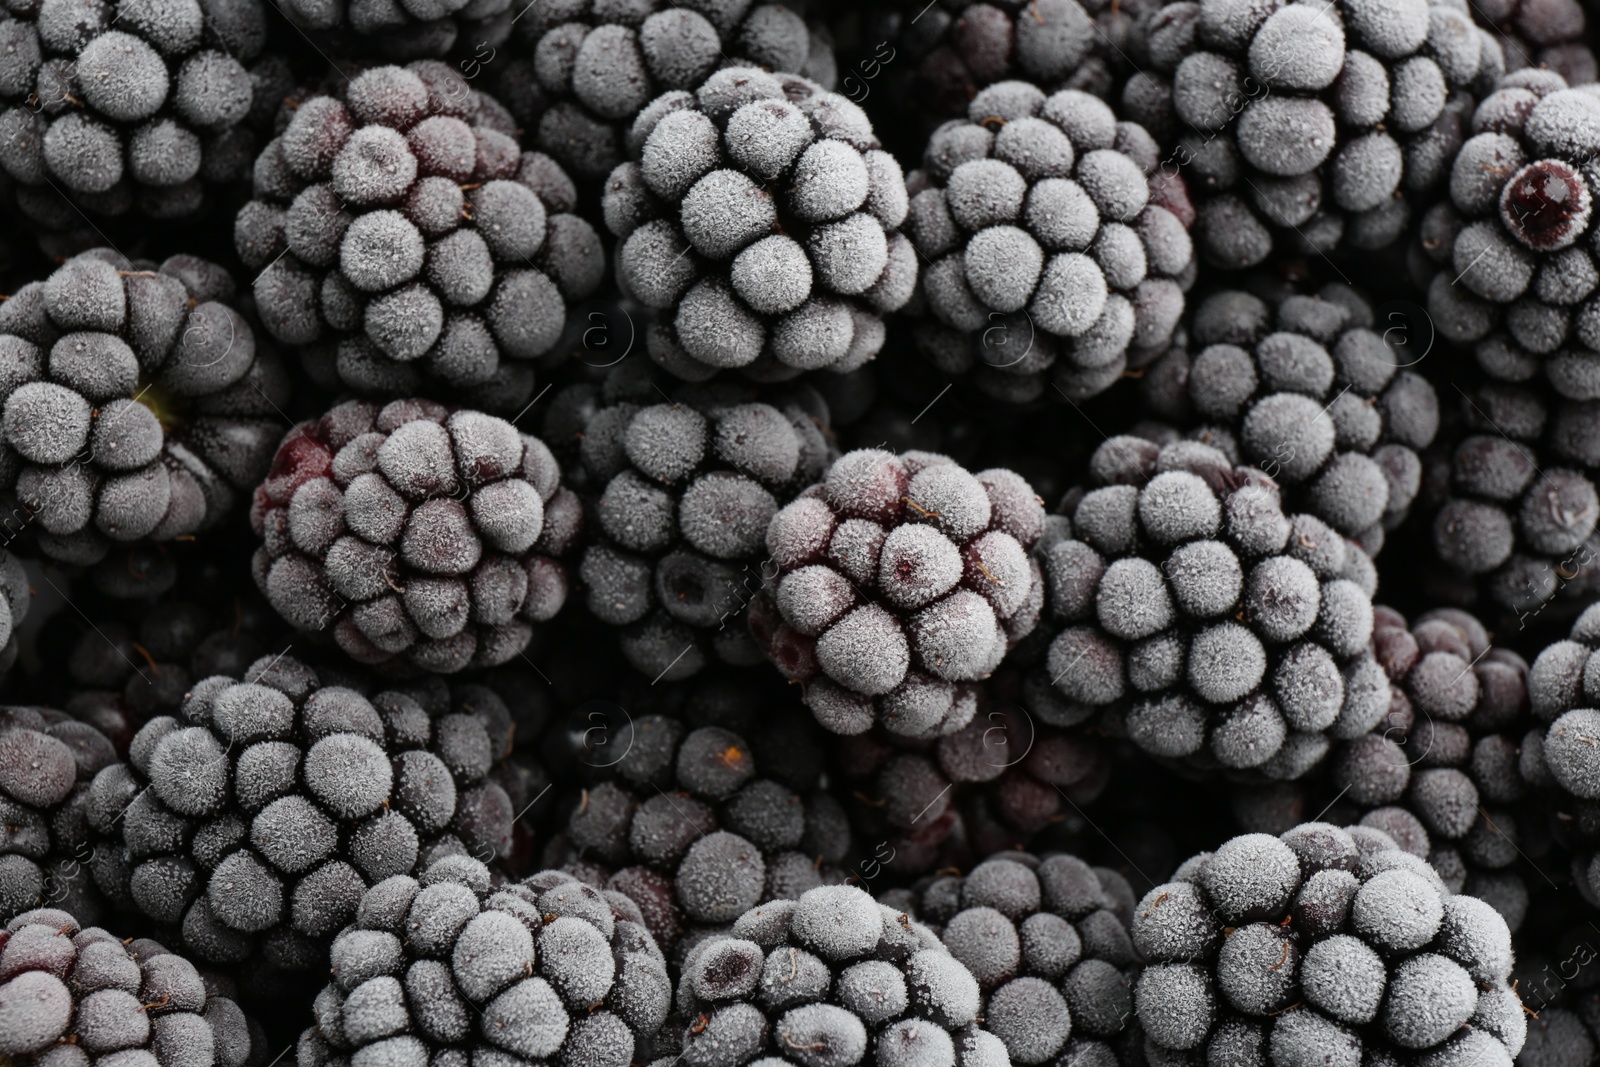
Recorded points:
(137, 405)
(900, 581)
(760, 220)
(1054, 251)
(584, 69)
(399, 230)
(413, 531)
(127, 108)
(253, 821)
(686, 491)
(1222, 630)
(1311, 392)
(1323, 946)
(451, 966)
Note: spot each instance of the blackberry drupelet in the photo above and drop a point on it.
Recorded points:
(831, 978)
(682, 494)
(451, 967)
(1312, 393)
(1213, 628)
(399, 231)
(687, 824)
(129, 107)
(137, 404)
(1510, 254)
(759, 220)
(1439, 773)
(584, 69)
(251, 823)
(415, 534)
(1305, 127)
(901, 581)
(76, 995)
(46, 763)
(1055, 252)
(1052, 956)
(1327, 947)
(1513, 499)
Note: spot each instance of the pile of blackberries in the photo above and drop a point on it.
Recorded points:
(790, 533)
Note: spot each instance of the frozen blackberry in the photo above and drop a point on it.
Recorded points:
(75, 994)
(831, 978)
(515, 709)
(1305, 127)
(584, 69)
(686, 825)
(136, 403)
(47, 760)
(138, 662)
(473, 32)
(1514, 504)
(995, 784)
(15, 595)
(122, 107)
(1439, 773)
(1323, 947)
(450, 967)
(1313, 394)
(251, 823)
(960, 48)
(682, 493)
(759, 219)
(398, 229)
(1548, 34)
(415, 533)
(1556, 754)
(1219, 631)
(1510, 254)
(901, 580)
(1055, 253)
(1053, 960)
